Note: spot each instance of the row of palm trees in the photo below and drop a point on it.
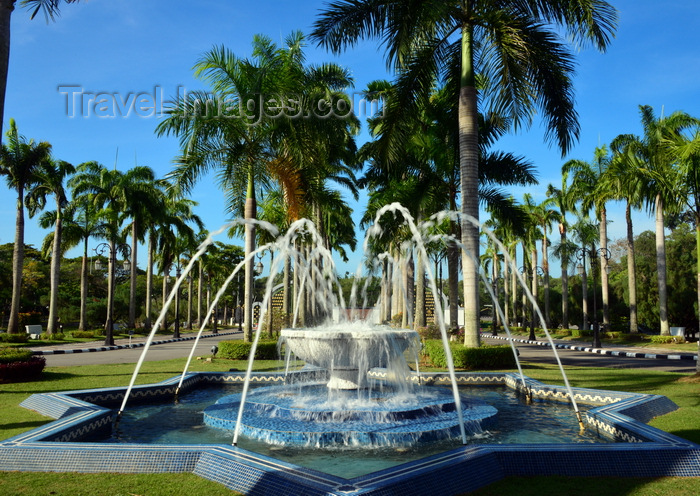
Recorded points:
(658, 171)
(93, 202)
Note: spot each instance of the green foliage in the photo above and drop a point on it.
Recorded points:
(581, 333)
(82, 334)
(431, 331)
(482, 358)
(662, 339)
(11, 355)
(19, 365)
(14, 338)
(397, 319)
(240, 350)
(29, 318)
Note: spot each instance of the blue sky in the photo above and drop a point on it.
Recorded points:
(130, 47)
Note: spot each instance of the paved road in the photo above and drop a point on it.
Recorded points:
(532, 352)
(164, 351)
(528, 352)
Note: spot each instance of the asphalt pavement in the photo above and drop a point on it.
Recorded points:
(578, 354)
(129, 351)
(570, 353)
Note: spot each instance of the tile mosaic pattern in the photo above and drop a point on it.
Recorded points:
(644, 452)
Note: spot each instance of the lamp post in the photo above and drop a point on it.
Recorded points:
(111, 250)
(176, 327)
(523, 271)
(259, 267)
(536, 271)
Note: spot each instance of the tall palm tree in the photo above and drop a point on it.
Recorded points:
(110, 191)
(51, 11)
(50, 178)
(564, 250)
(248, 149)
(141, 208)
(19, 161)
(512, 43)
(651, 152)
(626, 182)
(80, 223)
(589, 187)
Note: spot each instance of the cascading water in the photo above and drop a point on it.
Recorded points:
(369, 397)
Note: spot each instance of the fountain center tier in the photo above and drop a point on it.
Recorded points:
(349, 350)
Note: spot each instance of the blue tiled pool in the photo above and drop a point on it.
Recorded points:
(638, 450)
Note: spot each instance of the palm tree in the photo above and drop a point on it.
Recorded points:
(564, 250)
(51, 11)
(625, 182)
(142, 208)
(685, 182)
(512, 43)
(50, 180)
(248, 149)
(80, 223)
(109, 191)
(590, 188)
(651, 152)
(586, 233)
(19, 161)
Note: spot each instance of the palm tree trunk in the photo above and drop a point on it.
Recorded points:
(545, 268)
(250, 213)
(200, 293)
(109, 326)
(132, 282)
(469, 179)
(6, 8)
(564, 279)
(661, 267)
(453, 280)
(149, 283)
(190, 286)
(55, 272)
(584, 297)
(82, 326)
(286, 291)
(419, 319)
(17, 264)
(604, 293)
(632, 271)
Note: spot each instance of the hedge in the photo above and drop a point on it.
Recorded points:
(482, 358)
(240, 350)
(19, 365)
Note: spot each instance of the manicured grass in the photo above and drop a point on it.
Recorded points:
(682, 389)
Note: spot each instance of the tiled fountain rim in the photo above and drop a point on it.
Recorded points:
(621, 415)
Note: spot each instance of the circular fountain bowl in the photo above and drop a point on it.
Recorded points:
(349, 350)
(311, 415)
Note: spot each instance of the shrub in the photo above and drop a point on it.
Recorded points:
(10, 355)
(14, 338)
(633, 338)
(482, 358)
(19, 365)
(431, 331)
(662, 339)
(56, 336)
(397, 319)
(82, 334)
(240, 350)
(581, 333)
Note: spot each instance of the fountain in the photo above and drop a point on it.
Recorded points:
(350, 408)
(363, 405)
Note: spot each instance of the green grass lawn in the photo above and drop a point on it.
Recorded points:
(682, 389)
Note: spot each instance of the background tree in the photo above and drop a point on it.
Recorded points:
(50, 179)
(19, 160)
(512, 44)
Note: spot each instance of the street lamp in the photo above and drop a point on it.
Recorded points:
(176, 327)
(111, 250)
